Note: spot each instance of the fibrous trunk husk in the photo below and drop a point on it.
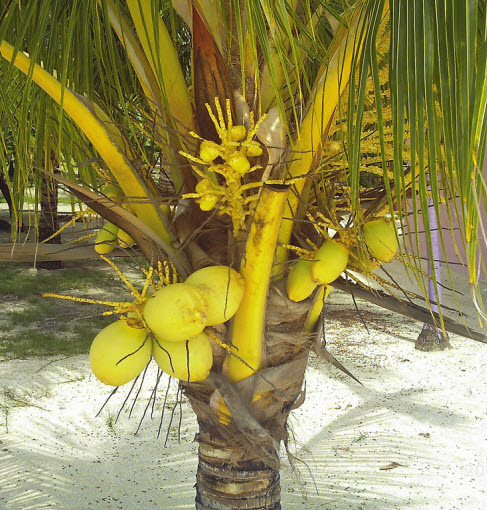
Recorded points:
(239, 461)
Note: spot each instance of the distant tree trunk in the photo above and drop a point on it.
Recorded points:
(5, 190)
(49, 221)
(432, 338)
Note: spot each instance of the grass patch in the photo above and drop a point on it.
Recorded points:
(16, 281)
(35, 343)
(28, 315)
(31, 325)
(13, 397)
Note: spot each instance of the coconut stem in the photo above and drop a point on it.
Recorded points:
(248, 322)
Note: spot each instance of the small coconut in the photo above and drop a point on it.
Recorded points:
(300, 284)
(330, 262)
(222, 288)
(124, 239)
(381, 240)
(112, 191)
(119, 353)
(176, 312)
(175, 358)
(106, 240)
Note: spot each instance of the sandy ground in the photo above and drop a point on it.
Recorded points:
(425, 412)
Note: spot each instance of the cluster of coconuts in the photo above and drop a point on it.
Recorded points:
(332, 258)
(110, 236)
(176, 316)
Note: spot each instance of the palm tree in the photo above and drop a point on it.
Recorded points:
(276, 151)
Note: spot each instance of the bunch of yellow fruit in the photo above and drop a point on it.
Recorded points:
(171, 329)
(332, 258)
(110, 236)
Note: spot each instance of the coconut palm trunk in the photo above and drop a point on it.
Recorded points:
(235, 477)
(239, 462)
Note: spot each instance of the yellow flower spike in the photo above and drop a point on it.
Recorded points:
(254, 127)
(237, 133)
(239, 163)
(133, 290)
(120, 305)
(209, 151)
(207, 202)
(229, 114)
(302, 252)
(251, 149)
(220, 123)
(131, 312)
(148, 280)
(195, 160)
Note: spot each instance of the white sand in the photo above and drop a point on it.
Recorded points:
(426, 412)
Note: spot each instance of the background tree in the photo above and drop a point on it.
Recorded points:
(250, 166)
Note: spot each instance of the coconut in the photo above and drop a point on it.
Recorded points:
(380, 238)
(330, 262)
(119, 353)
(299, 283)
(106, 240)
(176, 312)
(222, 288)
(175, 358)
(124, 239)
(112, 191)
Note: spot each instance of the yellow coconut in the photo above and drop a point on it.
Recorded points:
(222, 288)
(112, 191)
(106, 240)
(330, 262)
(176, 312)
(381, 240)
(118, 353)
(299, 283)
(175, 358)
(124, 239)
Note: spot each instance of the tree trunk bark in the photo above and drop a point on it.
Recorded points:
(49, 221)
(230, 477)
(239, 461)
(5, 191)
